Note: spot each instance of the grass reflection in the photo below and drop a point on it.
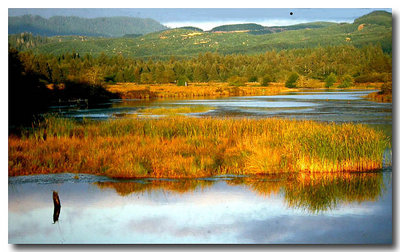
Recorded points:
(321, 192)
(173, 186)
(314, 193)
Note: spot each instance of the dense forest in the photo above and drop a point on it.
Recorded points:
(104, 26)
(366, 64)
(187, 42)
(80, 67)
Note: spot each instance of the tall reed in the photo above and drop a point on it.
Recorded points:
(194, 147)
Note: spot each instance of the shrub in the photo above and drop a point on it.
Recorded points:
(237, 81)
(347, 81)
(253, 79)
(330, 80)
(182, 80)
(266, 80)
(110, 78)
(290, 82)
(386, 88)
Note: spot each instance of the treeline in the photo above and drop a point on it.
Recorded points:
(29, 95)
(366, 64)
(71, 25)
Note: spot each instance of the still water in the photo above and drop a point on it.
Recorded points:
(345, 208)
(351, 208)
(338, 106)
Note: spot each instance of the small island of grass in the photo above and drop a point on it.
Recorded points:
(182, 147)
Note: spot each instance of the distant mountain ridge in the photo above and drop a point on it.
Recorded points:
(257, 29)
(374, 28)
(71, 25)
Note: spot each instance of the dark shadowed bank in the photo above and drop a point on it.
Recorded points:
(29, 95)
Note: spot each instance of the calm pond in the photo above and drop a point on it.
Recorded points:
(337, 106)
(296, 208)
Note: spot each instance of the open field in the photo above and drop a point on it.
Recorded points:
(194, 147)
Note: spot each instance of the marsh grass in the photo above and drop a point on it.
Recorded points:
(183, 147)
(136, 91)
(174, 111)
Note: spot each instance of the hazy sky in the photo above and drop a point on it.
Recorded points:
(207, 18)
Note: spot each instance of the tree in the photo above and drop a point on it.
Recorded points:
(253, 78)
(347, 81)
(290, 82)
(182, 80)
(330, 80)
(266, 80)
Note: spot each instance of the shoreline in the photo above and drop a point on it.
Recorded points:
(218, 89)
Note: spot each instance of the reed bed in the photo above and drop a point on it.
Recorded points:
(180, 147)
(136, 91)
(174, 110)
(380, 97)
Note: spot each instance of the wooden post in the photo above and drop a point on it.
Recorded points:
(57, 207)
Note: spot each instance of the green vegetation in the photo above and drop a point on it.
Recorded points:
(330, 80)
(237, 81)
(189, 42)
(266, 80)
(347, 81)
(291, 81)
(30, 93)
(174, 111)
(238, 27)
(377, 17)
(369, 63)
(384, 95)
(104, 26)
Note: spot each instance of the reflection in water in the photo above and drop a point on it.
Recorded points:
(311, 192)
(141, 186)
(225, 209)
(346, 106)
(321, 192)
(57, 207)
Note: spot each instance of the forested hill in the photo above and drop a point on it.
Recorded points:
(60, 25)
(257, 29)
(374, 28)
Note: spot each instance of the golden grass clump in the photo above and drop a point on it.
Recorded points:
(194, 147)
(136, 91)
(175, 110)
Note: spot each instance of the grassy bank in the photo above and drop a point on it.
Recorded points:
(174, 111)
(384, 95)
(194, 147)
(136, 91)
(213, 89)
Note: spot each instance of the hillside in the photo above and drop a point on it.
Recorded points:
(373, 28)
(257, 29)
(105, 27)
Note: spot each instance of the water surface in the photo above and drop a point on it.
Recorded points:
(352, 208)
(297, 208)
(336, 106)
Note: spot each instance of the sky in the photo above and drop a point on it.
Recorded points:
(207, 18)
